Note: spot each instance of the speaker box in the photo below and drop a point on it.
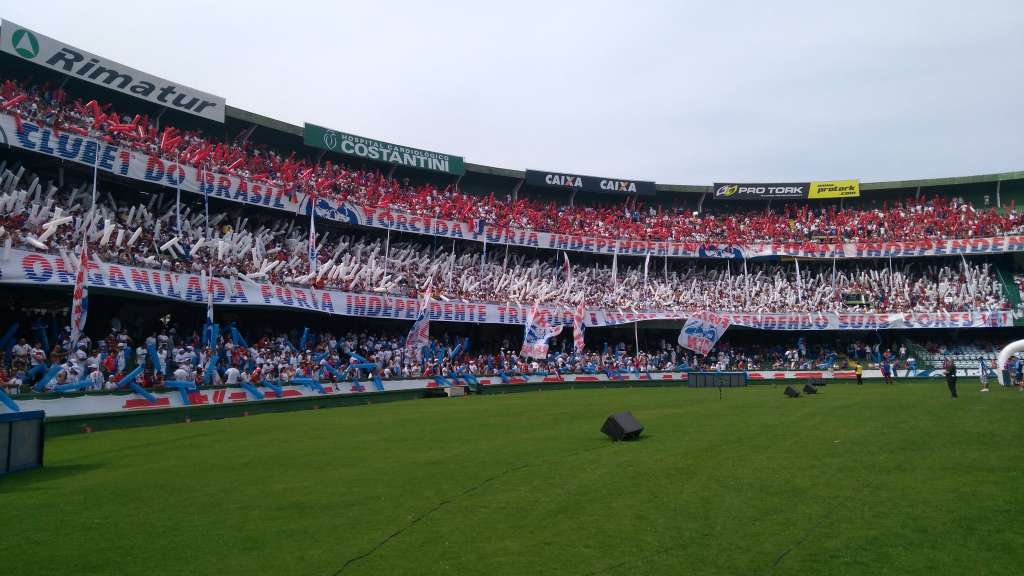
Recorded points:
(792, 392)
(622, 426)
(810, 389)
(21, 441)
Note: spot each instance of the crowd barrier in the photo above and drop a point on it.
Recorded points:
(111, 402)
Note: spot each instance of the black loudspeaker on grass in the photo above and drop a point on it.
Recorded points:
(792, 392)
(622, 426)
(810, 388)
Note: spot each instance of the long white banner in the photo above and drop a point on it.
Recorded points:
(138, 166)
(32, 268)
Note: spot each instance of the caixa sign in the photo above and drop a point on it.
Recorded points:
(596, 184)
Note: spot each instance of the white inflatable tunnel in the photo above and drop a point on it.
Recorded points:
(1004, 356)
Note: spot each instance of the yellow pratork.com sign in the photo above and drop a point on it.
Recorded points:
(834, 189)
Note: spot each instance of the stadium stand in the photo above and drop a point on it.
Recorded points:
(901, 220)
(270, 249)
(282, 357)
(151, 228)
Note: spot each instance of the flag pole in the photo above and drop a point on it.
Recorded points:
(387, 250)
(95, 175)
(483, 258)
(177, 198)
(799, 282)
(206, 208)
(209, 264)
(451, 268)
(81, 291)
(746, 283)
(636, 336)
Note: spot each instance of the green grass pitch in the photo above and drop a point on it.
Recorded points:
(869, 479)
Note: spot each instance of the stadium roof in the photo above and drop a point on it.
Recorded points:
(291, 129)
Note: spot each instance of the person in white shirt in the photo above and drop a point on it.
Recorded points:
(119, 357)
(181, 374)
(79, 358)
(96, 380)
(232, 375)
(20, 353)
(183, 357)
(161, 355)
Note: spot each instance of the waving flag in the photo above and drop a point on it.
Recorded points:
(538, 332)
(577, 329)
(80, 300)
(419, 334)
(206, 281)
(701, 331)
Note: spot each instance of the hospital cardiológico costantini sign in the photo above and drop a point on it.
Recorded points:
(344, 143)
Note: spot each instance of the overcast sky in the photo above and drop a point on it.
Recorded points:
(678, 92)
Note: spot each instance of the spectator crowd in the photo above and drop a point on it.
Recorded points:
(150, 234)
(936, 217)
(227, 357)
(281, 358)
(153, 231)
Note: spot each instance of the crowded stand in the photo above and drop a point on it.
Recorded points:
(161, 231)
(282, 357)
(271, 249)
(935, 217)
(168, 354)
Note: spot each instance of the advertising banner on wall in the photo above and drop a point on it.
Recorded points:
(594, 184)
(786, 190)
(834, 189)
(55, 55)
(760, 190)
(344, 143)
(80, 404)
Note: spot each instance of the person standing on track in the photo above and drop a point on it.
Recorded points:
(950, 368)
(858, 370)
(983, 375)
(886, 370)
(911, 367)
